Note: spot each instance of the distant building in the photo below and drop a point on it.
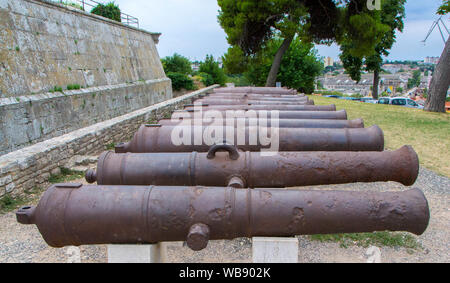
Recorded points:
(195, 66)
(328, 62)
(431, 60)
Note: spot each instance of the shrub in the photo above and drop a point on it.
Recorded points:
(180, 81)
(211, 67)
(110, 11)
(206, 79)
(176, 64)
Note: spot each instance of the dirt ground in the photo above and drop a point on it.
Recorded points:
(21, 243)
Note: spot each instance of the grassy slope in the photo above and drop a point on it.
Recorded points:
(428, 133)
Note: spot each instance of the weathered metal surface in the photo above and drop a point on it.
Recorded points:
(260, 90)
(281, 123)
(219, 101)
(250, 169)
(74, 215)
(322, 115)
(156, 138)
(256, 98)
(278, 107)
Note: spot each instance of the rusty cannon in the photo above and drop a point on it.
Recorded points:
(75, 215)
(302, 115)
(281, 123)
(252, 170)
(157, 138)
(254, 96)
(278, 107)
(257, 98)
(219, 101)
(258, 90)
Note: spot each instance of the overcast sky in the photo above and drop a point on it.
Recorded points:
(190, 28)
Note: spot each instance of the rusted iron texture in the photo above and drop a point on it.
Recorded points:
(253, 96)
(258, 98)
(259, 90)
(322, 115)
(281, 123)
(277, 107)
(219, 101)
(157, 138)
(74, 215)
(285, 169)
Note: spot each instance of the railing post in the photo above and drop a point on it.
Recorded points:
(82, 1)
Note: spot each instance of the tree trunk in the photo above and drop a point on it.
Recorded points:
(440, 83)
(272, 77)
(376, 82)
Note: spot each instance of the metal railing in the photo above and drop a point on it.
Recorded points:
(89, 4)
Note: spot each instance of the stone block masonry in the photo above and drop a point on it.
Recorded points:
(46, 46)
(32, 166)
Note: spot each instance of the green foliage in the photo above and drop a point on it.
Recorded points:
(110, 11)
(238, 80)
(234, 61)
(17, 48)
(72, 4)
(211, 67)
(299, 67)
(74, 86)
(415, 80)
(56, 89)
(206, 79)
(65, 176)
(384, 239)
(181, 81)
(177, 64)
(444, 8)
(399, 89)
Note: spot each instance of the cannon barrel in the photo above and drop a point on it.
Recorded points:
(259, 90)
(74, 215)
(251, 169)
(246, 102)
(281, 123)
(255, 96)
(286, 107)
(157, 138)
(322, 115)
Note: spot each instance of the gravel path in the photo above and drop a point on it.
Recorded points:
(21, 243)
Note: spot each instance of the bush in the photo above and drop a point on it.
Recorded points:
(238, 80)
(206, 79)
(180, 81)
(110, 11)
(211, 67)
(176, 64)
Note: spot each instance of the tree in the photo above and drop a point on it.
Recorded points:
(390, 19)
(440, 82)
(298, 69)
(177, 64)
(250, 24)
(211, 67)
(415, 80)
(110, 11)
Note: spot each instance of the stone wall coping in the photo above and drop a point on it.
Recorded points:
(21, 156)
(53, 95)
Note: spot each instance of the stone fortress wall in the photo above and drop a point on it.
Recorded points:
(44, 45)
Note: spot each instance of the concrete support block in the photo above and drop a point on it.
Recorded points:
(275, 250)
(137, 253)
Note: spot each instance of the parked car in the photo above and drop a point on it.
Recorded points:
(384, 100)
(332, 96)
(405, 102)
(368, 100)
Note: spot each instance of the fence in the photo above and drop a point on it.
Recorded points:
(89, 4)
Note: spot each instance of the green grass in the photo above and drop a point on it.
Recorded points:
(428, 133)
(8, 203)
(110, 146)
(74, 86)
(380, 239)
(66, 176)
